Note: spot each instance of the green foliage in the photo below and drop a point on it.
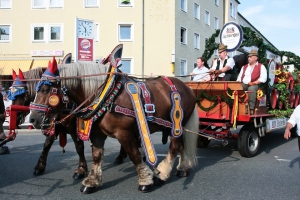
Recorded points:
(211, 45)
(282, 113)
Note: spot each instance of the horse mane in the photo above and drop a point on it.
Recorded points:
(88, 84)
(35, 73)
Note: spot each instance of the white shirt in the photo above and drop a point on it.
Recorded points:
(230, 62)
(201, 74)
(247, 78)
(295, 119)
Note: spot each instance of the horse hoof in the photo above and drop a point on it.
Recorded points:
(87, 190)
(118, 160)
(145, 188)
(77, 176)
(181, 173)
(158, 181)
(38, 172)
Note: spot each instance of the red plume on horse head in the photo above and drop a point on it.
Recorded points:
(18, 80)
(14, 74)
(52, 70)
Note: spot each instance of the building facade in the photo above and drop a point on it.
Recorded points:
(160, 37)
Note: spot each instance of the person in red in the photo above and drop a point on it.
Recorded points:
(251, 75)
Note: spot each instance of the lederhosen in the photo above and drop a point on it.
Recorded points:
(230, 75)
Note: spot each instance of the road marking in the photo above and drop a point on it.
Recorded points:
(284, 160)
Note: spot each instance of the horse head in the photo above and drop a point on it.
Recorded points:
(18, 94)
(47, 105)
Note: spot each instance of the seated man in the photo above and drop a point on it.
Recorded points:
(223, 68)
(200, 73)
(251, 75)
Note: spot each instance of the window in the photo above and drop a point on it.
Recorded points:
(183, 68)
(5, 35)
(183, 5)
(55, 33)
(125, 3)
(125, 32)
(47, 4)
(217, 2)
(5, 3)
(232, 10)
(47, 33)
(126, 66)
(216, 52)
(196, 11)
(196, 41)
(91, 3)
(207, 17)
(183, 35)
(216, 23)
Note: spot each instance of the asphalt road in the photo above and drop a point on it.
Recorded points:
(221, 172)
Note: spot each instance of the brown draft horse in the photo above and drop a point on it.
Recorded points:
(24, 98)
(123, 128)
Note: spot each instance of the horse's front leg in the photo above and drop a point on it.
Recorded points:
(94, 179)
(82, 169)
(41, 165)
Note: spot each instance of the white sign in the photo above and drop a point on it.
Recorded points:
(272, 68)
(47, 53)
(231, 35)
(275, 123)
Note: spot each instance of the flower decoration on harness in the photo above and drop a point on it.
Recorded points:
(18, 87)
(259, 94)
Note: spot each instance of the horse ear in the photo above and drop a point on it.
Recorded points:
(49, 64)
(21, 76)
(14, 75)
(54, 65)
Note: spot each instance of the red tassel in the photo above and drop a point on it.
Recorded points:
(62, 140)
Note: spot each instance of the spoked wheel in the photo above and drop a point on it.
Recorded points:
(248, 141)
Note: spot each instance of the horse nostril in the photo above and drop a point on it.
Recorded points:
(31, 120)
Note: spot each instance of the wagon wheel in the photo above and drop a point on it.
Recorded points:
(203, 142)
(248, 141)
(294, 131)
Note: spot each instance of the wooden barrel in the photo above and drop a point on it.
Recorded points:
(291, 99)
(291, 83)
(297, 96)
(274, 98)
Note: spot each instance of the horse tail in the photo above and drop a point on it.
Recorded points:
(190, 139)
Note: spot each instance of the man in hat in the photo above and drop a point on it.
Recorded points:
(223, 69)
(251, 75)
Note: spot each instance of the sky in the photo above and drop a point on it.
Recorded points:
(276, 20)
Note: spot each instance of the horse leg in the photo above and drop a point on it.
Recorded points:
(165, 167)
(82, 169)
(41, 165)
(94, 179)
(132, 147)
(120, 158)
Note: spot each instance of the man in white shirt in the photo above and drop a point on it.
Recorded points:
(292, 122)
(223, 68)
(200, 73)
(251, 75)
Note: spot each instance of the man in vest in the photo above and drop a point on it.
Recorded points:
(223, 69)
(251, 75)
(200, 73)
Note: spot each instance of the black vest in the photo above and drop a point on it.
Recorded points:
(232, 72)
